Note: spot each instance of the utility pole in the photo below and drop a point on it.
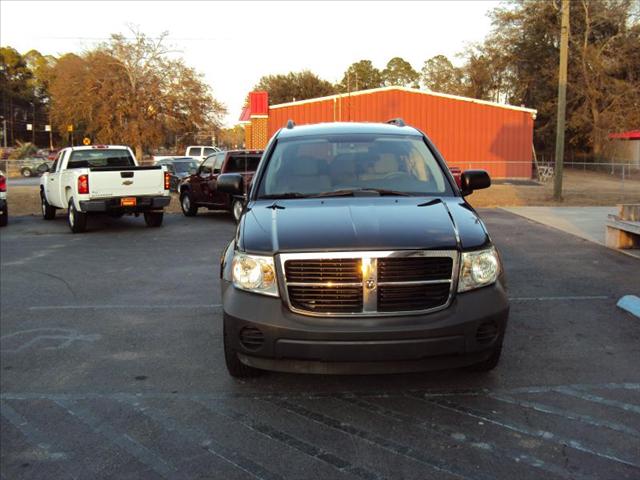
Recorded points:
(562, 101)
(33, 116)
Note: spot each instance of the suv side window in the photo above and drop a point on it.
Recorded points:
(207, 166)
(57, 163)
(217, 166)
(194, 152)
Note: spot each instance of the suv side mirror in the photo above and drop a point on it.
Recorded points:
(230, 183)
(471, 180)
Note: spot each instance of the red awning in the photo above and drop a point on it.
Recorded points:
(630, 135)
(245, 116)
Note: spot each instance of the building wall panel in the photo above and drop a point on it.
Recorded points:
(469, 135)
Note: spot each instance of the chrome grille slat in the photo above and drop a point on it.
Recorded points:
(394, 282)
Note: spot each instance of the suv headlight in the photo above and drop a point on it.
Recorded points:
(478, 269)
(255, 273)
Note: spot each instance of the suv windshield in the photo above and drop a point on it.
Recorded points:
(344, 164)
(108, 157)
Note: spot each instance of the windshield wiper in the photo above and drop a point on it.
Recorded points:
(355, 191)
(283, 195)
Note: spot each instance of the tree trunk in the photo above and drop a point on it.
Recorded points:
(139, 153)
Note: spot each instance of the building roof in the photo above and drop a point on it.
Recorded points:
(410, 90)
(630, 135)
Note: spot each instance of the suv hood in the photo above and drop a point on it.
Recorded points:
(363, 223)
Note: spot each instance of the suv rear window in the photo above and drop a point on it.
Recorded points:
(321, 165)
(242, 163)
(111, 157)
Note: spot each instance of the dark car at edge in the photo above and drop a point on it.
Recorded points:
(358, 253)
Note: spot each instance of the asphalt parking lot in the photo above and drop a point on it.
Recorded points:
(112, 367)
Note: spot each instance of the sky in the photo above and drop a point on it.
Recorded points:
(233, 44)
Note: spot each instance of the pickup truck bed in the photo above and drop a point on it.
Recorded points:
(82, 181)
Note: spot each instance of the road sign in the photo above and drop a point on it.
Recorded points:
(69, 128)
(86, 141)
(47, 128)
(29, 127)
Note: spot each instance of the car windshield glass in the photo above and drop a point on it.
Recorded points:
(110, 157)
(383, 164)
(184, 167)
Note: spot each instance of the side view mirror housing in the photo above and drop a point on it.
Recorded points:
(471, 180)
(231, 183)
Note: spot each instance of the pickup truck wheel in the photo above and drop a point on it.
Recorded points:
(26, 172)
(48, 212)
(153, 219)
(236, 209)
(188, 208)
(77, 220)
(235, 367)
(4, 217)
(488, 364)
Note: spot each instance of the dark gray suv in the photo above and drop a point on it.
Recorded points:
(358, 253)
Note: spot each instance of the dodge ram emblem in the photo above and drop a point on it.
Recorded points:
(370, 284)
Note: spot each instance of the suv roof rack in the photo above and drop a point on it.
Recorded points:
(290, 124)
(398, 122)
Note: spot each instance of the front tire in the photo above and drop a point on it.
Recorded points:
(236, 209)
(26, 172)
(235, 367)
(4, 217)
(188, 208)
(153, 219)
(77, 220)
(48, 212)
(488, 364)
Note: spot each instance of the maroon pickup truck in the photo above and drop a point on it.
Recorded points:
(200, 189)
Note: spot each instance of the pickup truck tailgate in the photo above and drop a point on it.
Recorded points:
(134, 181)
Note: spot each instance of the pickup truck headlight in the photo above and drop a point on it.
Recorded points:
(255, 273)
(478, 269)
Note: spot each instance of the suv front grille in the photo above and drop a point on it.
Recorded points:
(406, 269)
(323, 299)
(369, 283)
(324, 270)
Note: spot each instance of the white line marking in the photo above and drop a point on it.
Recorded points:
(32, 434)
(627, 407)
(533, 432)
(122, 307)
(123, 440)
(549, 409)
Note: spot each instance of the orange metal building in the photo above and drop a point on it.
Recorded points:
(469, 133)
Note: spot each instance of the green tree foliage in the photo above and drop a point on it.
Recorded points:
(283, 88)
(360, 75)
(439, 74)
(231, 138)
(518, 62)
(131, 92)
(15, 75)
(399, 72)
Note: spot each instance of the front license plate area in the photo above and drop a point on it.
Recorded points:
(128, 202)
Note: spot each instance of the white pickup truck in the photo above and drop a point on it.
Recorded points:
(103, 178)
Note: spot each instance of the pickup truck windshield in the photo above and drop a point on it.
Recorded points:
(101, 158)
(393, 164)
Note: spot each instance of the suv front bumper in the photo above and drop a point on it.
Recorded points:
(449, 338)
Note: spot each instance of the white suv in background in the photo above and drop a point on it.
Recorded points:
(200, 152)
